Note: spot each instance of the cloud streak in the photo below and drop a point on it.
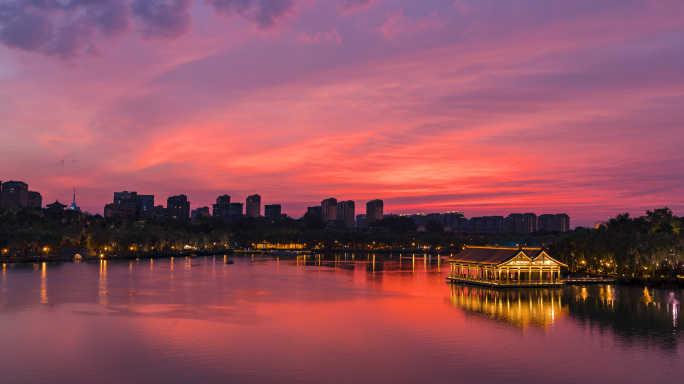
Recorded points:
(265, 13)
(513, 106)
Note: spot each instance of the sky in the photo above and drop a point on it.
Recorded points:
(485, 107)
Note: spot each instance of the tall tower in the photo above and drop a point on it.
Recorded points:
(75, 207)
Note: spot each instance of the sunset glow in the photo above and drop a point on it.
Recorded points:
(487, 107)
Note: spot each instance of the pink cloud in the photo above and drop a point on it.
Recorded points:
(397, 24)
(331, 35)
(265, 13)
(544, 108)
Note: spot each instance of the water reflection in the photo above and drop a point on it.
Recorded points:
(634, 314)
(522, 307)
(43, 284)
(102, 286)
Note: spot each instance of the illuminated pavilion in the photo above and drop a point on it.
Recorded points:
(505, 267)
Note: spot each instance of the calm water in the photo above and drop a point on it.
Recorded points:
(339, 320)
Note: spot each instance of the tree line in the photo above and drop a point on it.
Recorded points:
(630, 246)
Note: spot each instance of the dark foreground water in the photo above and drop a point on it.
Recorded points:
(337, 320)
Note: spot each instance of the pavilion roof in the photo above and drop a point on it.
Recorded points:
(56, 204)
(492, 255)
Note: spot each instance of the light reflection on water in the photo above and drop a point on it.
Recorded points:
(539, 307)
(343, 318)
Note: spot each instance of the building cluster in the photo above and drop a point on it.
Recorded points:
(141, 207)
(514, 223)
(335, 214)
(342, 214)
(17, 194)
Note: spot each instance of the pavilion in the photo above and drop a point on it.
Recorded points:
(505, 267)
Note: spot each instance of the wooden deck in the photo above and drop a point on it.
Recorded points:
(504, 285)
(563, 282)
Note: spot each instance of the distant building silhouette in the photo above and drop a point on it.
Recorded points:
(130, 205)
(521, 222)
(487, 224)
(346, 213)
(374, 211)
(200, 212)
(14, 194)
(158, 212)
(222, 207)
(253, 206)
(235, 211)
(35, 199)
(178, 208)
(329, 209)
(272, 212)
(559, 222)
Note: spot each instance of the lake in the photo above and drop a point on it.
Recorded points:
(344, 318)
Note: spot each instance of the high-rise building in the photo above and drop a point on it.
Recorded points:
(487, 224)
(253, 206)
(15, 194)
(35, 199)
(346, 213)
(235, 211)
(521, 222)
(272, 212)
(559, 222)
(178, 208)
(130, 205)
(329, 209)
(222, 207)
(374, 210)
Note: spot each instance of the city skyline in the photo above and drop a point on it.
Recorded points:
(371, 204)
(546, 107)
